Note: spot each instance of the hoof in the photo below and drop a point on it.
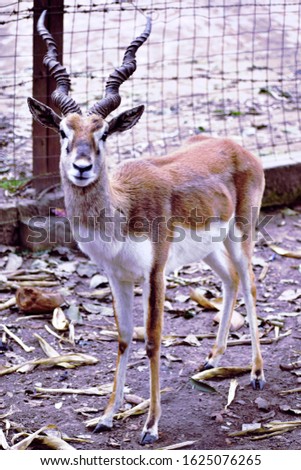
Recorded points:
(147, 438)
(206, 366)
(101, 427)
(257, 384)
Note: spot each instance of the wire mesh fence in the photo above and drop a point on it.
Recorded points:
(225, 68)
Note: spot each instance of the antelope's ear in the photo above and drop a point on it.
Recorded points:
(43, 114)
(125, 120)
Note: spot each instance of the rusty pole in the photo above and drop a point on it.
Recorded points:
(46, 148)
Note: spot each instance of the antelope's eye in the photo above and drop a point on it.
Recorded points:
(63, 135)
(104, 136)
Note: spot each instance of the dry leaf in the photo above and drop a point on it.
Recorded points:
(53, 442)
(290, 295)
(182, 298)
(47, 348)
(288, 392)
(191, 340)
(73, 314)
(139, 333)
(290, 366)
(244, 341)
(178, 340)
(197, 296)
(180, 445)
(24, 368)
(202, 386)
(258, 261)
(231, 393)
(110, 334)
(74, 359)
(50, 351)
(59, 320)
(237, 320)
(221, 373)
(9, 303)
(3, 442)
(56, 335)
(18, 340)
(100, 390)
(14, 262)
(267, 430)
(11, 411)
(96, 294)
(91, 308)
(25, 443)
(67, 267)
(72, 333)
(283, 252)
(263, 273)
(97, 280)
(289, 410)
(136, 410)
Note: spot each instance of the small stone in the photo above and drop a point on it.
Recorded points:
(219, 418)
(262, 404)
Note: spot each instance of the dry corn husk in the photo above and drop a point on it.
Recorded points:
(96, 294)
(59, 320)
(197, 296)
(232, 391)
(3, 442)
(9, 303)
(50, 351)
(53, 442)
(274, 428)
(74, 359)
(221, 373)
(237, 320)
(18, 340)
(283, 252)
(179, 445)
(100, 390)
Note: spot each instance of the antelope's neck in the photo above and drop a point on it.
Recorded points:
(91, 205)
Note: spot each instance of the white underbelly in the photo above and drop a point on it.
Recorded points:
(127, 260)
(131, 260)
(192, 246)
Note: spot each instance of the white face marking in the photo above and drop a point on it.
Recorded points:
(99, 136)
(80, 171)
(66, 135)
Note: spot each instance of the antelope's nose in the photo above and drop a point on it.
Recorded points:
(82, 166)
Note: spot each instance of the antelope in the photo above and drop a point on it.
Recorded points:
(174, 210)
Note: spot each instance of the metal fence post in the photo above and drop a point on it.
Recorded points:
(46, 148)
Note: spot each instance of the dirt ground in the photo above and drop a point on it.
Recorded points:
(188, 414)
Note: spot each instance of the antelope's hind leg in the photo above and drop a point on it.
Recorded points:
(241, 255)
(123, 305)
(221, 264)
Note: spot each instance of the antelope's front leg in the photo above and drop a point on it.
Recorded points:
(123, 304)
(153, 331)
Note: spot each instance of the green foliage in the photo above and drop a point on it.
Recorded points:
(12, 185)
